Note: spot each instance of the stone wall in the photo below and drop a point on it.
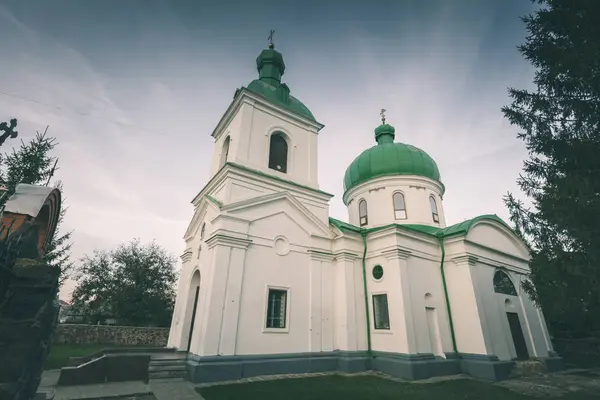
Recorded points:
(111, 335)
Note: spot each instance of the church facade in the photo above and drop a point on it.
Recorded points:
(270, 284)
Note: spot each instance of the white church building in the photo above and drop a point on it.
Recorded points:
(271, 284)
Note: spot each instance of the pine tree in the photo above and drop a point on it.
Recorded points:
(33, 163)
(560, 125)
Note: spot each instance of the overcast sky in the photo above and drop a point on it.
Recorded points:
(133, 89)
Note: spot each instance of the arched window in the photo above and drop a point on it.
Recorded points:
(278, 153)
(362, 212)
(399, 206)
(434, 209)
(225, 151)
(503, 284)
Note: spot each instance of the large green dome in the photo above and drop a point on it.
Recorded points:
(388, 159)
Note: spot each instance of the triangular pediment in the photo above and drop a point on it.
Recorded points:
(244, 205)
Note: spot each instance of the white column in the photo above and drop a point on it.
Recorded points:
(345, 324)
(180, 302)
(401, 301)
(467, 317)
(226, 274)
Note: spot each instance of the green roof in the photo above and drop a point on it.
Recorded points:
(276, 95)
(462, 228)
(270, 68)
(388, 158)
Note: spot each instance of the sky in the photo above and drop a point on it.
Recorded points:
(132, 90)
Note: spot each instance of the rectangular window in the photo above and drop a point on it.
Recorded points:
(381, 315)
(436, 218)
(276, 308)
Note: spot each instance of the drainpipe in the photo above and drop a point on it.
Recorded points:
(441, 240)
(364, 269)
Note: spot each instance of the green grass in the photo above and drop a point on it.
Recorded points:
(364, 388)
(60, 353)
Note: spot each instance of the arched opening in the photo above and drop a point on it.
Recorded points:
(278, 153)
(225, 151)
(434, 209)
(362, 212)
(503, 284)
(192, 307)
(399, 206)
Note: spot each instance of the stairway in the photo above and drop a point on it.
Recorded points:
(168, 367)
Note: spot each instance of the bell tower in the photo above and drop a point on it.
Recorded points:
(268, 130)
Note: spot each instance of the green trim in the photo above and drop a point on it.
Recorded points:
(450, 320)
(263, 174)
(214, 201)
(364, 268)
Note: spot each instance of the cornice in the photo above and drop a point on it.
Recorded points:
(186, 256)
(463, 259)
(220, 239)
(320, 254)
(345, 255)
(392, 180)
(397, 253)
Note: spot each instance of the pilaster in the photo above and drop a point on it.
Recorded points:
(320, 262)
(398, 258)
(469, 319)
(345, 300)
(219, 328)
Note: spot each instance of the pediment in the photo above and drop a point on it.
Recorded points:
(498, 237)
(264, 206)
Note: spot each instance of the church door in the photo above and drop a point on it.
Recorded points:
(193, 317)
(517, 336)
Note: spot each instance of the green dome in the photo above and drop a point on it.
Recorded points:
(270, 68)
(388, 159)
(277, 95)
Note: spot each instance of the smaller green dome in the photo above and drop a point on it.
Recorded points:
(388, 158)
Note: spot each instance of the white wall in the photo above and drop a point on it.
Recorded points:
(250, 129)
(378, 194)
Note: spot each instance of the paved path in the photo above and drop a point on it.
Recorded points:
(100, 390)
(174, 390)
(161, 389)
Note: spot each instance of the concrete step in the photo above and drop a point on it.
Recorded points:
(169, 356)
(178, 367)
(167, 362)
(167, 374)
(167, 380)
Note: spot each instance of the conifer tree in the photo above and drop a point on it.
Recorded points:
(33, 163)
(559, 122)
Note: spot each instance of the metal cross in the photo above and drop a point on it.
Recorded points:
(382, 113)
(271, 44)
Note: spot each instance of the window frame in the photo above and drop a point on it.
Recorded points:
(375, 313)
(360, 216)
(225, 151)
(265, 323)
(498, 289)
(399, 209)
(285, 138)
(435, 212)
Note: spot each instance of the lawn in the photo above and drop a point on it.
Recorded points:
(60, 353)
(365, 388)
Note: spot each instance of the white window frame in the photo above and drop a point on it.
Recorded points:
(372, 305)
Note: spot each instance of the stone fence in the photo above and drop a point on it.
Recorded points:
(111, 335)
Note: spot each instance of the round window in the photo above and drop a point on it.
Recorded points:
(378, 272)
